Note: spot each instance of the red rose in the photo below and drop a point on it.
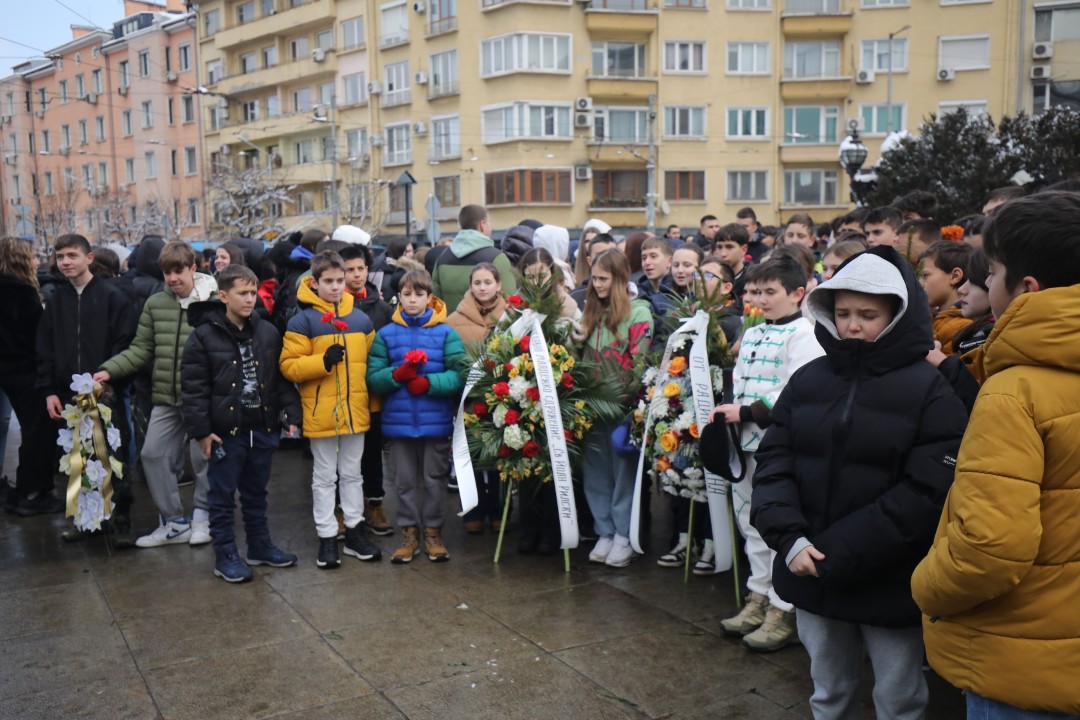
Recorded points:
(340, 325)
(531, 449)
(533, 394)
(489, 363)
(504, 451)
(327, 316)
(515, 301)
(508, 366)
(512, 417)
(501, 389)
(524, 343)
(416, 357)
(480, 408)
(567, 380)
(568, 435)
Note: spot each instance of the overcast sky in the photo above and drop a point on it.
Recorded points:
(45, 24)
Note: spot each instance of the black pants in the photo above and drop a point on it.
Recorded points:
(489, 491)
(539, 512)
(371, 466)
(38, 451)
(242, 464)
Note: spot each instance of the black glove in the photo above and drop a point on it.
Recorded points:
(333, 355)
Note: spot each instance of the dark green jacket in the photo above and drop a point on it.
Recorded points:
(450, 276)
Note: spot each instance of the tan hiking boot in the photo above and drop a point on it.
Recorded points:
(410, 546)
(340, 523)
(749, 618)
(375, 519)
(433, 545)
(778, 631)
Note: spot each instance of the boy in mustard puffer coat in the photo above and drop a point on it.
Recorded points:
(325, 353)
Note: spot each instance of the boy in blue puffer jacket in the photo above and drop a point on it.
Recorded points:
(415, 364)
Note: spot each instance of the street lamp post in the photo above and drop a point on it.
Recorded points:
(888, 85)
(407, 181)
(852, 156)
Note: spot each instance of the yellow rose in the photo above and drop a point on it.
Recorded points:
(672, 389)
(669, 441)
(580, 404)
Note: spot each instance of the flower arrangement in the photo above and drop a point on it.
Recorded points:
(89, 442)
(752, 316)
(952, 233)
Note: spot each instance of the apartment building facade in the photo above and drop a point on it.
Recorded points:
(552, 109)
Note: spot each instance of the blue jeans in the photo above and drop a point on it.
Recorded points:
(609, 483)
(245, 466)
(983, 708)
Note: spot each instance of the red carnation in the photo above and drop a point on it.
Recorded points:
(501, 389)
(533, 394)
(567, 380)
(489, 363)
(416, 357)
(508, 366)
(531, 449)
(515, 301)
(512, 417)
(504, 451)
(327, 316)
(524, 343)
(480, 408)
(568, 435)
(340, 325)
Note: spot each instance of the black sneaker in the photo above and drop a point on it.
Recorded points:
(41, 503)
(328, 557)
(357, 545)
(120, 529)
(229, 567)
(265, 552)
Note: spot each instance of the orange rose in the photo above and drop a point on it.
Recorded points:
(663, 464)
(677, 366)
(694, 432)
(669, 441)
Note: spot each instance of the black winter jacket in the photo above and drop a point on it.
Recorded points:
(20, 312)
(377, 309)
(211, 375)
(858, 460)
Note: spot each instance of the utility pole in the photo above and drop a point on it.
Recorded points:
(650, 170)
(334, 154)
(888, 86)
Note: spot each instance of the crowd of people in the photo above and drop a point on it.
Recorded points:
(907, 410)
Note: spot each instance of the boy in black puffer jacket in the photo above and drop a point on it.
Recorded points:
(233, 394)
(851, 479)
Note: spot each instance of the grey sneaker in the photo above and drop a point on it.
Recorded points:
(749, 618)
(778, 631)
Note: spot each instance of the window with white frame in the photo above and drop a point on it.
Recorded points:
(748, 123)
(95, 80)
(885, 3)
(810, 186)
(183, 57)
(811, 59)
(83, 130)
(269, 56)
(301, 98)
(524, 120)
(213, 72)
(148, 113)
(686, 122)
(245, 12)
(876, 118)
(187, 108)
(250, 110)
(621, 125)
(150, 164)
(1057, 23)
(99, 128)
(125, 123)
(749, 4)
(394, 23)
(968, 52)
(747, 185)
(352, 33)
(329, 147)
(875, 55)
(444, 73)
(299, 48)
(103, 174)
(618, 59)
(685, 4)
(398, 144)
(190, 160)
(525, 52)
(684, 57)
(62, 91)
(812, 7)
(355, 87)
(326, 93)
(356, 143)
(445, 137)
(249, 63)
(1064, 94)
(129, 170)
(144, 63)
(273, 106)
(324, 40)
(65, 137)
(974, 108)
(304, 151)
(50, 189)
(80, 86)
(748, 58)
(810, 124)
(45, 145)
(193, 211)
(397, 83)
(87, 175)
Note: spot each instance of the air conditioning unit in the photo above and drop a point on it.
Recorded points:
(421, 77)
(374, 87)
(171, 76)
(123, 90)
(360, 162)
(1042, 51)
(420, 128)
(226, 150)
(41, 113)
(417, 225)
(1040, 72)
(864, 77)
(419, 7)
(583, 172)
(946, 74)
(583, 103)
(10, 159)
(376, 140)
(90, 98)
(65, 151)
(5, 119)
(583, 119)
(318, 55)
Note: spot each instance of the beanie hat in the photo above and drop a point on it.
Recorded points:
(352, 235)
(595, 224)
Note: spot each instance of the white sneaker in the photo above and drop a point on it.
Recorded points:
(173, 532)
(200, 530)
(600, 552)
(621, 553)
(706, 564)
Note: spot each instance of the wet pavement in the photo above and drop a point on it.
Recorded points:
(85, 633)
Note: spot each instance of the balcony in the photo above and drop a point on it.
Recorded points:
(815, 18)
(608, 88)
(394, 40)
(618, 154)
(817, 155)
(271, 77)
(442, 90)
(268, 128)
(288, 20)
(620, 217)
(392, 158)
(805, 89)
(393, 98)
(307, 173)
(622, 17)
(438, 154)
(442, 26)
(496, 4)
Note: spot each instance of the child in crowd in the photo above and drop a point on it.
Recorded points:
(916, 236)
(732, 243)
(882, 226)
(800, 231)
(942, 269)
(159, 343)
(233, 394)
(416, 365)
(474, 318)
(768, 356)
(998, 588)
(684, 266)
(835, 256)
(539, 265)
(849, 478)
(615, 332)
(599, 243)
(325, 352)
(655, 277)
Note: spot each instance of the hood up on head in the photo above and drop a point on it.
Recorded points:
(352, 235)
(554, 239)
(147, 254)
(517, 241)
(595, 224)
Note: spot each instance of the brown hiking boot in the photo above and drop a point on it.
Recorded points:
(433, 545)
(778, 631)
(375, 519)
(409, 547)
(340, 523)
(749, 618)
(474, 527)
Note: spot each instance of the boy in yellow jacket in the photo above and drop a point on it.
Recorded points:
(325, 353)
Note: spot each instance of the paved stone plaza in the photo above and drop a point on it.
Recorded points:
(152, 634)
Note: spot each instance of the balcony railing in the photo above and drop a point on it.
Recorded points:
(497, 3)
(436, 154)
(443, 25)
(442, 90)
(812, 7)
(388, 41)
(620, 5)
(397, 97)
(403, 157)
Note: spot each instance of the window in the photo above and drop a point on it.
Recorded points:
(190, 162)
(397, 198)
(148, 114)
(747, 185)
(525, 52)
(875, 55)
(445, 137)
(524, 120)
(1054, 94)
(83, 129)
(245, 12)
(144, 63)
(150, 161)
(876, 118)
(326, 93)
(974, 108)
(527, 187)
(273, 106)
(45, 141)
(970, 52)
(744, 123)
(685, 4)
(305, 202)
(810, 187)
(355, 88)
(187, 108)
(885, 3)
(356, 143)
(43, 103)
(748, 58)
(65, 137)
(13, 144)
(748, 4)
(298, 49)
(129, 170)
(304, 151)
(811, 60)
(329, 147)
(266, 7)
(448, 191)
(211, 22)
(621, 125)
(249, 63)
(103, 174)
(619, 188)
(49, 189)
(125, 123)
(808, 124)
(95, 80)
(90, 218)
(324, 40)
(99, 128)
(444, 74)
(398, 144)
(193, 211)
(87, 175)
(812, 7)
(269, 56)
(250, 110)
(301, 98)
(62, 91)
(618, 59)
(443, 15)
(183, 57)
(170, 109)
(684, 57)
(684, 122)
(397, 84)
(80, 87)
(1057, 24)
(394, 25)
(213, 72)
(352, 33)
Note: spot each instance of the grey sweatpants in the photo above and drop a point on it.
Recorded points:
(421, 465)
(835, 649)
(163, 462)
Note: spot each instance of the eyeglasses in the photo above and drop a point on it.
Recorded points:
(708, 275)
